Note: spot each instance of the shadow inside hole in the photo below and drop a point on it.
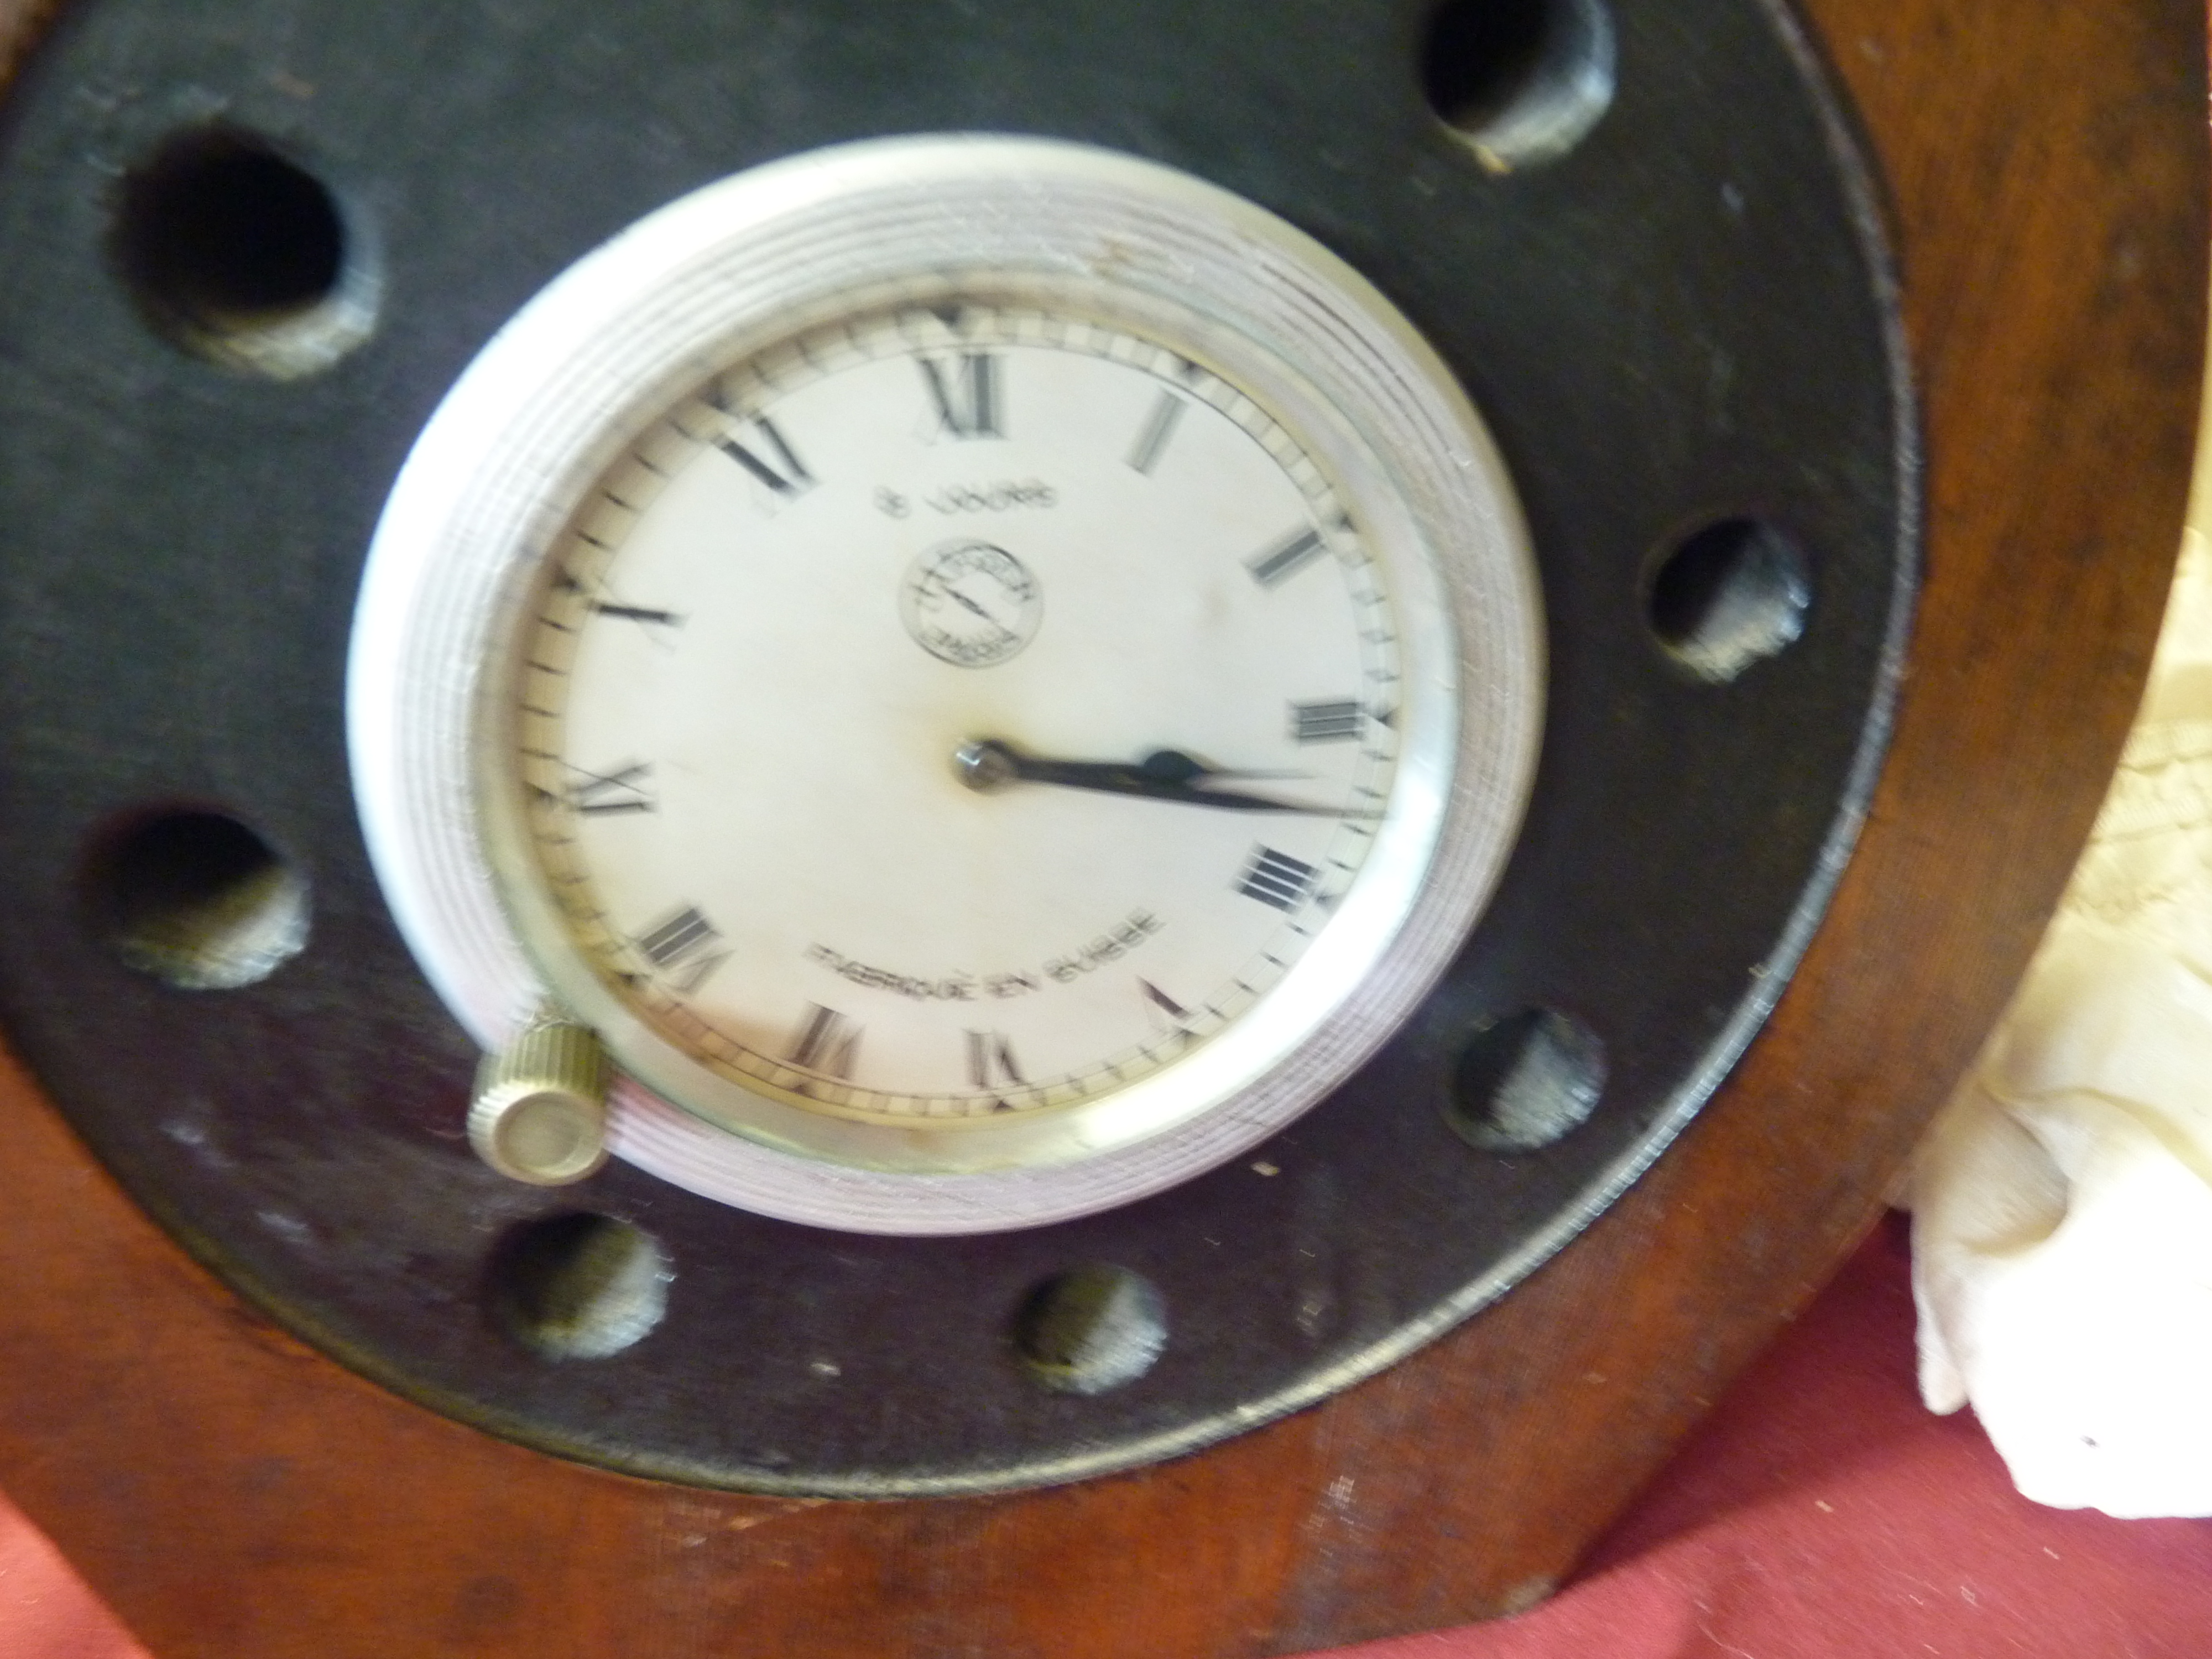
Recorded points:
(239, 255)
(1526, 1081)
(199, 900)
(580, 1286)
(1522, 81)
(1732, 594)
(1091, 1329)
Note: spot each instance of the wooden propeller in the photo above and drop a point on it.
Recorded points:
(231, 1491)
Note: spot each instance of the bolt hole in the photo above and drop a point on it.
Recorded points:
(580, 1286)
(1526, 1081)
(1089, 1330)
(238, 255)
(1733, 593)
(1522, 81)
(199, 900)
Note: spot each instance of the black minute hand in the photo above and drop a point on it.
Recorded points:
(1164, 775)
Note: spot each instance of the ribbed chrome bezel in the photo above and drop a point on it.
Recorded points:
(741, 265)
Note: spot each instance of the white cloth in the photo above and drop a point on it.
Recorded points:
(2062, 1201)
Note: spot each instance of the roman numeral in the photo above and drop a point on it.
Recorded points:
(1326, 722)
(1286, 558)
(965, 393)
(826, 1042)
(1161, 1000)
(638, 613)
(682, 949)
(1277, 879)
(622, 790)
(991, 1061)
(782, 470)
(1159, 426)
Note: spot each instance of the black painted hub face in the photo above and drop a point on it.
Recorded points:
(1678, 329)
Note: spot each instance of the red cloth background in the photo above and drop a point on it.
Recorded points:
(1819, 1514)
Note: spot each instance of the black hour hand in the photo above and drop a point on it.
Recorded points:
(988, 764)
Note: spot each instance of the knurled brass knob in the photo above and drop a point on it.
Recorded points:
(540, 1112)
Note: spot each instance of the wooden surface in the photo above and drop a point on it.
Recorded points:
(232, 1493)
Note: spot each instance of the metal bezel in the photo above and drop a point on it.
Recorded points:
(755, 258)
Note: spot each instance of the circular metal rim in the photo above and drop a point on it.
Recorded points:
(763, 256)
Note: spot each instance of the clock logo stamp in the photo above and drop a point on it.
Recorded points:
(970, 603)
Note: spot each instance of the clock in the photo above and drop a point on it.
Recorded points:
(988, 674)
(1644, 241)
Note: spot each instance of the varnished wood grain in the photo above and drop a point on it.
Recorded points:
(233, 1493)
(21, 21)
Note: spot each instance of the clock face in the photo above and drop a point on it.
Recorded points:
(961, 708)
(989, 674)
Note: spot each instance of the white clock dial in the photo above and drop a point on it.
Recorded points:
(959, 709)
(990, 673)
